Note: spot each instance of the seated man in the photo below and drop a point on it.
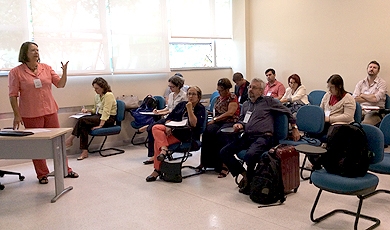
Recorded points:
(273, 88)
(371, 91)
(241, 88)
(257, 123)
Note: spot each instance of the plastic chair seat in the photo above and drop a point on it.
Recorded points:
(113, 130)
(344, 185)
(314, 142)
(382, 167)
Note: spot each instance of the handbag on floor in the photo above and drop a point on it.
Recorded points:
(171, 172)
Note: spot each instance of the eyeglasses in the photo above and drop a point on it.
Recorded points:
(192, 94)
(291, 83)
(253, 87)
(171, 86)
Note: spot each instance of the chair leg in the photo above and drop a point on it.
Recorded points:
(357, 214)
(100, 150)
(139, 143)
(304, 168)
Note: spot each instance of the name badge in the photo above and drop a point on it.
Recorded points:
(366, 92)
(37, 83)
(269, 93)
(327, 113)
(247, 116)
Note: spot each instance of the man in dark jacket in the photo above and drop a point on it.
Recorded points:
(257, 122)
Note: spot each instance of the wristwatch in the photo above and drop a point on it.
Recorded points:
(214, 119)
(294, 126)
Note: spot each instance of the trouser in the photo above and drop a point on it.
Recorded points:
(47, 121)
(213, 140)
(161, 139)
(151, 138)
(85, 124)
(256, 145)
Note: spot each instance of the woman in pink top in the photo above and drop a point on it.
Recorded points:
(31, 82)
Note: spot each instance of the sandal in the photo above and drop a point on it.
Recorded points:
(161, 156)
(43, 180)
(224, 172)
(72, 174)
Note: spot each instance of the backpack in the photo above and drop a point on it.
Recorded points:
(147, 105)
(347, 151)
(267, 184)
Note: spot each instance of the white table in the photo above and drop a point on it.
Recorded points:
(42, 145)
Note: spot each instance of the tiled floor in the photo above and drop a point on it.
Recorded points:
(111, 193)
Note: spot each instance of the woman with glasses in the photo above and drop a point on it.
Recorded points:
(295, 95)
(32, 100)
(225, 113)
(175, 84)
(193, 111)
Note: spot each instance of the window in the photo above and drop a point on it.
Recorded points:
(200, 53)
(118, 36)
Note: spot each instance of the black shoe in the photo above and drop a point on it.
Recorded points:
(148, 162)
(151, 178)
(245, 190)
(243, 182)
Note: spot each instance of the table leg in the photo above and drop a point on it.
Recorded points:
(59, 166)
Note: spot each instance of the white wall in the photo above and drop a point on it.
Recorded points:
(316, 38)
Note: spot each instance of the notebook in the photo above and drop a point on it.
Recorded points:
(15, 133)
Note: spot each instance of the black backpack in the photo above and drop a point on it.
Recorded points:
(347, 151)
(149, 103)
(267, 184)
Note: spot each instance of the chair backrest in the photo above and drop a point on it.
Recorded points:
(203, 128)
(315, 97)
(376, 143)
(385, 128)
(280, 126)
(387, 102)
(212, 103)
(213, 95)
(120, 112)
(311, 119)
(160, 102)
(358, 113)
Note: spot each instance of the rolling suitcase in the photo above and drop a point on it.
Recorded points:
(289, 161)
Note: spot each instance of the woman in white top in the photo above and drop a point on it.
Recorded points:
(175, 83)
(295, 95)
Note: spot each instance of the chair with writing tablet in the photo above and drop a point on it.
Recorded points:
(184, 149)
(108, 131)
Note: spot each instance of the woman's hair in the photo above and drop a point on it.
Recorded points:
(224, 83)
(24, 50)
(198, 91)
(296, 78)
(102, 84)
(177, 81)
(338, 82)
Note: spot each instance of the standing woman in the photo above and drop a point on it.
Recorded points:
(103, 115)
(31, 82)
(226, 114)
